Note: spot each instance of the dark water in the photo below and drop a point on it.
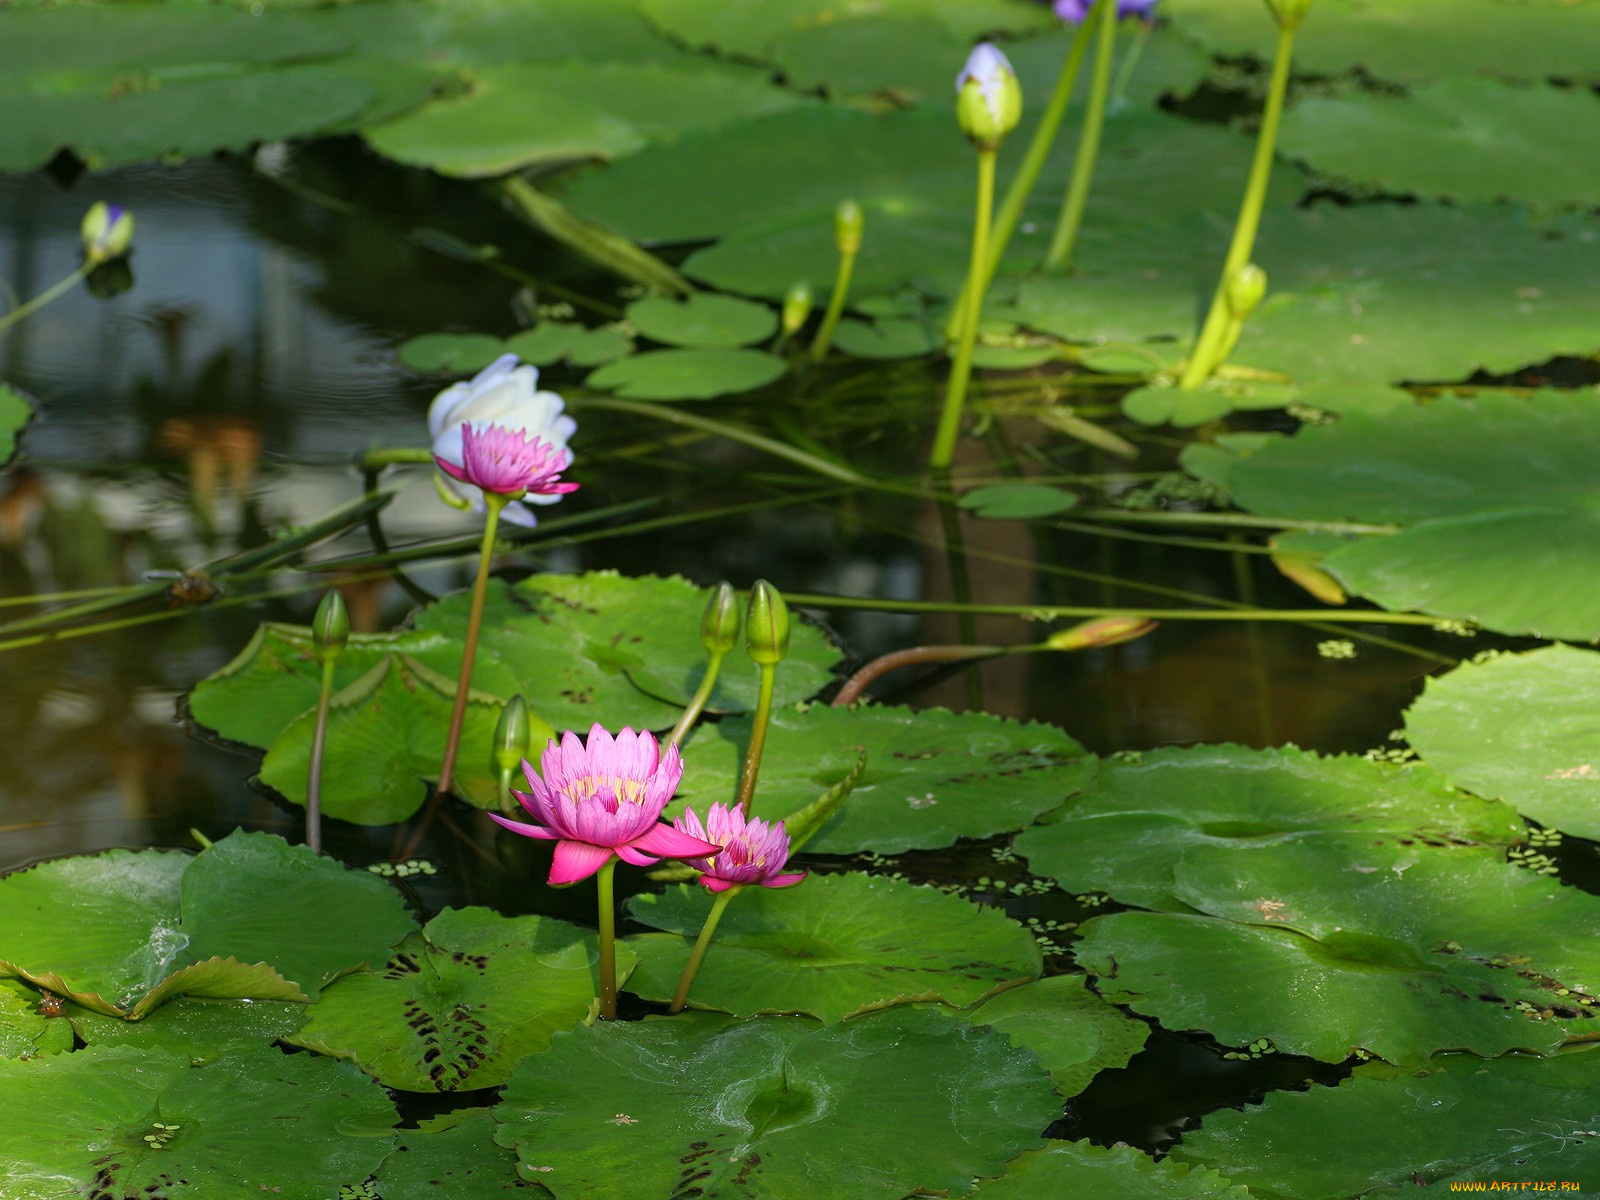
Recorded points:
(255, 351)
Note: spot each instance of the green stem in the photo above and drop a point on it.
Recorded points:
(1130, 63)
(372, 460)
(1033, 160)
(830, 317)
(697, 702)
(1050, 612)
(955, 548)
(1059, 256)
(469, 650)
(314, 775)
(955, 396)
(1204, 360)
(758, 738)
(701, 945)
(60, 287)
(1235, 520)
(608, 941)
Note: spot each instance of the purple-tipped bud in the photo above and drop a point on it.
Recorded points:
(1076, 12)
(107, 232)
(988, 97)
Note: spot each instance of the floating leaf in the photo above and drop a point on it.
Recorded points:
(458, 1004)
(1107, 1173)
(931, 778)
(1126, 833)
(124, 1121)
(1016, 501)
(547, 342)
(15, 412)
(25, 1032)
(1074, 1032)
(875, 1109)
(1519, 728)
(1464, 1119)
(452, 1156)
(703, 320)
(689, 374)
(197, 1029)
(890, 337)
(452, 353)
(831, 947)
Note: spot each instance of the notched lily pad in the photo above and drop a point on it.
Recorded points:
(16, 410)
(1107, 1173)
(1074, 1032)
(453, 1157)
(689, 374)
(703, 320)
(1016, 501)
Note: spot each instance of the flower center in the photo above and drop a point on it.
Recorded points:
(624, 790)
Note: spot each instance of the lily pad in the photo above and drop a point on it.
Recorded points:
(704, 320)
(1107, 1173)
(1074, 1032)
(453, 353)
(932, 777)
(1520, 728)
(452, 1157)
(689, 374)
(1456, 139)
(875, 1109)
(1463, 1119)
(459, 1003)
(1016, 501)
(15, 413)
(831, 947)
(197, 1029)
(25, 1032)
(125, 1121)
(889, 337)
(1126, 833)
(1352, 993)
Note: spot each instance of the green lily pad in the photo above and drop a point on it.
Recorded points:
(874, 1109)
(518, 115)
(15, 412)
(596, 347)
(1492, 493)
(198, 1029)
(547, 342)
(1520, 728)
(689, 374)
(1107, 1173)
(1463, 1119)
(452, 353)
(703, 320)
(1016, 501)
(459, 1003)
(1353, 993)
(1187, 408)
(125, 1121)
(1126, 833)
(452, 1157)
(1457, 139)
(1074, 1032)
(25, 1032)
(831, 947)
(931, 778)
(889, 337)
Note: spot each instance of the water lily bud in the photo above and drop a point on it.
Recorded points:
(988, 97)
(1289, 13)
(766, 630)
(330, 628)
(1101, 631)
(1075, 12)
(797, 303)
(512, 735)
(719, 628)
(107, 232)
(1245, 290)
(847, 224)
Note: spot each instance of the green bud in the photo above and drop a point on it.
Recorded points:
(330, 628)
(1245, 290)
(1289, 13)
(719, 628)
(797, 304)
(988, 97)
(847, 225)
(512, 735)
(1101, 631)
(107, 232)
(766, 630)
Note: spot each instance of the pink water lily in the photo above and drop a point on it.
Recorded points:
(509, 462)
(752, 850)
(604, 799)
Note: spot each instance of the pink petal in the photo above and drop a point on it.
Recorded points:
(712, 884)
(575, 861)
(629, 855)
(450, 468)
(668, 842)
(784, 880)
(533, 831)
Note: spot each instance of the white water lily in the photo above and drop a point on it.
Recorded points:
(505, 393)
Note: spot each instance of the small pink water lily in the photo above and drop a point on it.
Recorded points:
(752, 850)
(603, 799)
(509, 462)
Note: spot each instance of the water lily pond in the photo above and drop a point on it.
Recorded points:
(819, 599)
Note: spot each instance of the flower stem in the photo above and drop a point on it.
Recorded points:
(758, 739)
(608, 941)
(314, 776)
(835, 309)
(1205, 358)
(56, 289)
(955, 396)
(470, 649)
(1033, 160)
(1059, 256)
(697, 702)
(702, 943)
